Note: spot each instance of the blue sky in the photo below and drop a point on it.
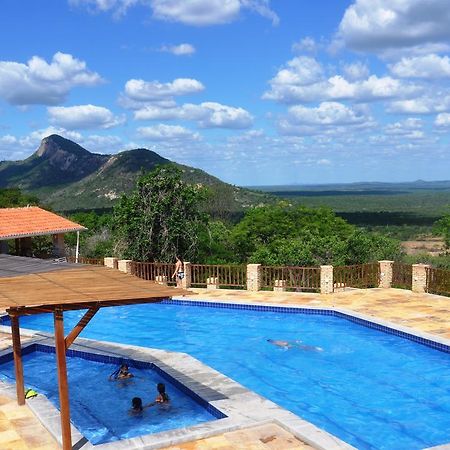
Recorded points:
(256, 92)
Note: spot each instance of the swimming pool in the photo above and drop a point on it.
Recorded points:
(371, 389)
(99, 407)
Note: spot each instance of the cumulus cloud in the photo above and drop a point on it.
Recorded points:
(40, 82)
(303, 120)
(380, 25)
(306, 44)
(356, 71)
(443, 120)
(303, 80)
(163, 132)
(149, 91)
(207, 114)
(426, 104)
(179, 50)
(83, 117)
(410, 128)
(427, 66)
(192, 12)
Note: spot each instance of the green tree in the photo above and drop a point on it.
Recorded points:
(161, 218)
(14, 197)
(442, 227)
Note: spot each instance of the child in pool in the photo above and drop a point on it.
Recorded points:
(136, 406)
(162, 397)
(121, 374)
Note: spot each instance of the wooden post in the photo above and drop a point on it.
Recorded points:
(63, 387)
(79, 327)
(18, 366)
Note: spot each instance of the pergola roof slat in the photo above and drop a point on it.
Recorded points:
(74, 287)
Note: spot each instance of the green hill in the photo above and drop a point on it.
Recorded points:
(68, 177)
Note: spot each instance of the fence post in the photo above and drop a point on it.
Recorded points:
(111, 262)
(187, 280)
(254, 273)
(124, 265)
(385, 274)
(326, 279)
(419, 277)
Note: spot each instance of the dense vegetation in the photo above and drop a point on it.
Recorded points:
(164, 216)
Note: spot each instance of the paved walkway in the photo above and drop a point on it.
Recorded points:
(19, 429)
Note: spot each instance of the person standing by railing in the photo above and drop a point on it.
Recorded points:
(179, 272)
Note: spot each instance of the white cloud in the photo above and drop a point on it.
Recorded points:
(303, 80)
(404, 127)
(163, 132)
(443, 120)
(179, 50)
(83, 117)
(324, 162)
(306, 44)
(427, 104)
(149, 91)
(327, 113)
(207, 114)
(39, 82)
(356, 70)
(428, 66)
(327, 118)
(192, 12)
(380, 25)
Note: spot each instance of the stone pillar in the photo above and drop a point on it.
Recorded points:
(254, 273)
(124, 265)
(59, 249)
(326, 280)
(419, 277)
(385, 274)
(161, 279)
(212, 283)
(187, 280)
(279, 285)
(112, 263)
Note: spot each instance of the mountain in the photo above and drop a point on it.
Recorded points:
(68, 177)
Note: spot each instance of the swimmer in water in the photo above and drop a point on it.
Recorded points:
(295, 344)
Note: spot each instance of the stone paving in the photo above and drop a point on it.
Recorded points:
(265, 437)
(423, 312)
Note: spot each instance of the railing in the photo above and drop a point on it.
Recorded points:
(160, 272)
(291, 278)
(438, 281)
(360, 276)
(401, 276)
(223, 275)
(82, 260)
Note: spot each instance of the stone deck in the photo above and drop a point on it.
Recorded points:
(423, 312)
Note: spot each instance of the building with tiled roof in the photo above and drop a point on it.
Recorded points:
(21, 224)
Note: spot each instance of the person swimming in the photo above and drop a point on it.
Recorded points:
(162, 397)
(136, 406)
(122, 373)
(294, 344)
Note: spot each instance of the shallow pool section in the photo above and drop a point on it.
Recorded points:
(99, 407)
(371, 389)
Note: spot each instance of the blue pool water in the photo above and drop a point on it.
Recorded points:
(99, 408)
(371, 389)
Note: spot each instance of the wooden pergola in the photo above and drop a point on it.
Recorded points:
(81, 287)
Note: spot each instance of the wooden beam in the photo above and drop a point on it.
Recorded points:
(78, 328)
(18, 366)
(63, 387)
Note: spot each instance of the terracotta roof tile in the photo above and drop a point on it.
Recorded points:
(33, 221)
